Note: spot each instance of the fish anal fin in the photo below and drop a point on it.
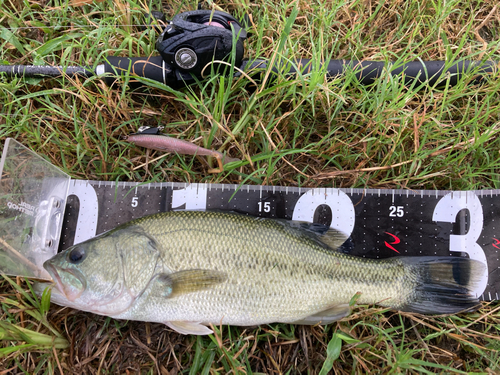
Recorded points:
(189, 281)
(327, 316)
(189, 328)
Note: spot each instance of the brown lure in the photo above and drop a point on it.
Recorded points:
(168, 144)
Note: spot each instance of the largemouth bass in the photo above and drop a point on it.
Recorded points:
(188, 269)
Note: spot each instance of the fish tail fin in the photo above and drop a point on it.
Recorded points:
(444, 285)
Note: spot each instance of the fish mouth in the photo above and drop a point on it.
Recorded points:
(69, 282)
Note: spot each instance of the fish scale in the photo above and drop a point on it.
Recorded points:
(191, 268)
(262, 282)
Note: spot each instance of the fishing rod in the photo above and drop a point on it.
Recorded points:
(193, 40)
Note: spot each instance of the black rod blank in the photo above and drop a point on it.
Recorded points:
(366, 72)
(39, 71)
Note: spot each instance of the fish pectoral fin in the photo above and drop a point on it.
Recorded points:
(327, 316)
(189, 281)
(189, 328)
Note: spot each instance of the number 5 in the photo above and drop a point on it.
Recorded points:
(135, 201)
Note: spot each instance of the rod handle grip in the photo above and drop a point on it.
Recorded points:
(152, 67)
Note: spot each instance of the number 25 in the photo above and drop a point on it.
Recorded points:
(396, 211)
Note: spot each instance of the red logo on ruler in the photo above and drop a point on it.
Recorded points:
(496, 243)
(396, 241)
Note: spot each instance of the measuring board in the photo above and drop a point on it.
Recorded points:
(379, 223)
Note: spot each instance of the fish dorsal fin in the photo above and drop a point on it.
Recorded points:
(323, 234)
(189, 328)
(189, 281)
(327, 316)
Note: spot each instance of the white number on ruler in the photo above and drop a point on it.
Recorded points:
(396, 211)
(86, 226)
(338, 201)
(447, 209)
(194, 196)
(135, 202)
(266, 205)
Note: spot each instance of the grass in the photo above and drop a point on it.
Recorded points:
(306, 132)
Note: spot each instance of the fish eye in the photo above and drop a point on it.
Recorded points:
(76, 255)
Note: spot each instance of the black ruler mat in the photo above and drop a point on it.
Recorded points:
(381, 223)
